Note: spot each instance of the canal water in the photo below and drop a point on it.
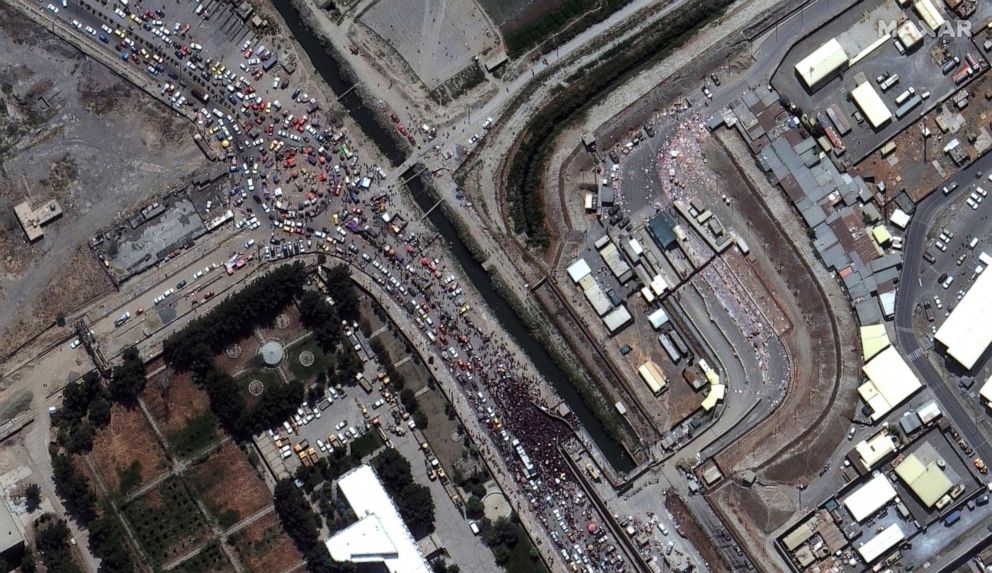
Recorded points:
(481, 279)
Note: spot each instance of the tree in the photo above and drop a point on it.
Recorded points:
(32, 497)
(128, 379)
(416, 507)
(408, 399)
(474, 508)
(502, 532)
(52, 540)
(420, 419)
(106, 542)
(321, 319)
(99, 411)
(393, 469)
(73, 488)
(27, 562)
(295, 515)
(345, 298)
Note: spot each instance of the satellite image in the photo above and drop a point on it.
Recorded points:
(484, 286)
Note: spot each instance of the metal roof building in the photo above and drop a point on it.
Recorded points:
(662, 230)
(658, 318)
(653, 377)
(578, 269)
(379, 536)
(927, 480)
(986, 392)
(890, 382)
(823, 62)
(871, 104)
(967, 332)
(870, 497)
(880, 544)
(616, 320)
(874, 450)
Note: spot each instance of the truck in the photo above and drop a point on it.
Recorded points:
(901, 98)
(952, 518)
(889, 82)
(364, 383)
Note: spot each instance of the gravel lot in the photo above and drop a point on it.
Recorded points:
(436, 38)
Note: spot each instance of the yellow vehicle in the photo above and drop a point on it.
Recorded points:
(119, 32)
(464, 309)
(312, 454)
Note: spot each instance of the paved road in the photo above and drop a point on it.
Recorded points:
(909, 293)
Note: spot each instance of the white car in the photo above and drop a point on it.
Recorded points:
(341, 425)
(75, 343)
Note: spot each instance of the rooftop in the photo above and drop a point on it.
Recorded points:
(32, 220)
(379, 536)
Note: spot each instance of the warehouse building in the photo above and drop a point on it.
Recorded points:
(890, 382)
(923, 472)
(874, 339)
(653, 377)
(870, 497)
(967, 332)
(929, 13)
(986, 393)
(822, 64)
(662, 230)
(871, 105)
(658, 318)
(618, 319)
(877, 546)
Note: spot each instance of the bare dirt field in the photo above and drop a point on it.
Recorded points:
(173, 400)
(127, 439)
(436, 38)
(63, 136)
(692, 531)
(263, 546)
(229, 486)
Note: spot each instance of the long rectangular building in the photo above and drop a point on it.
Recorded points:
(822, 63)
(870, 497)
(967, 333)
(871, 104)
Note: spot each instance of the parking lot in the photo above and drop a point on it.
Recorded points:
(917, 69)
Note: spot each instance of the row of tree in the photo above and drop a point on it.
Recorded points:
(234, 318)
(303, 527)
(86, 404)
(413, 500)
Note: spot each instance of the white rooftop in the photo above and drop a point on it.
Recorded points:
(870, 497)
(890, 382)
(967, 332)
(871, 104)
(379, 536)
(578, 269)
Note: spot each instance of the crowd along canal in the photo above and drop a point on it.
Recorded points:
(508, 319)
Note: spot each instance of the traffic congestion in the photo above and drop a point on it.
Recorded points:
(298, 185)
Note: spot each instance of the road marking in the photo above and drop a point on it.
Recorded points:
(916, 354)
